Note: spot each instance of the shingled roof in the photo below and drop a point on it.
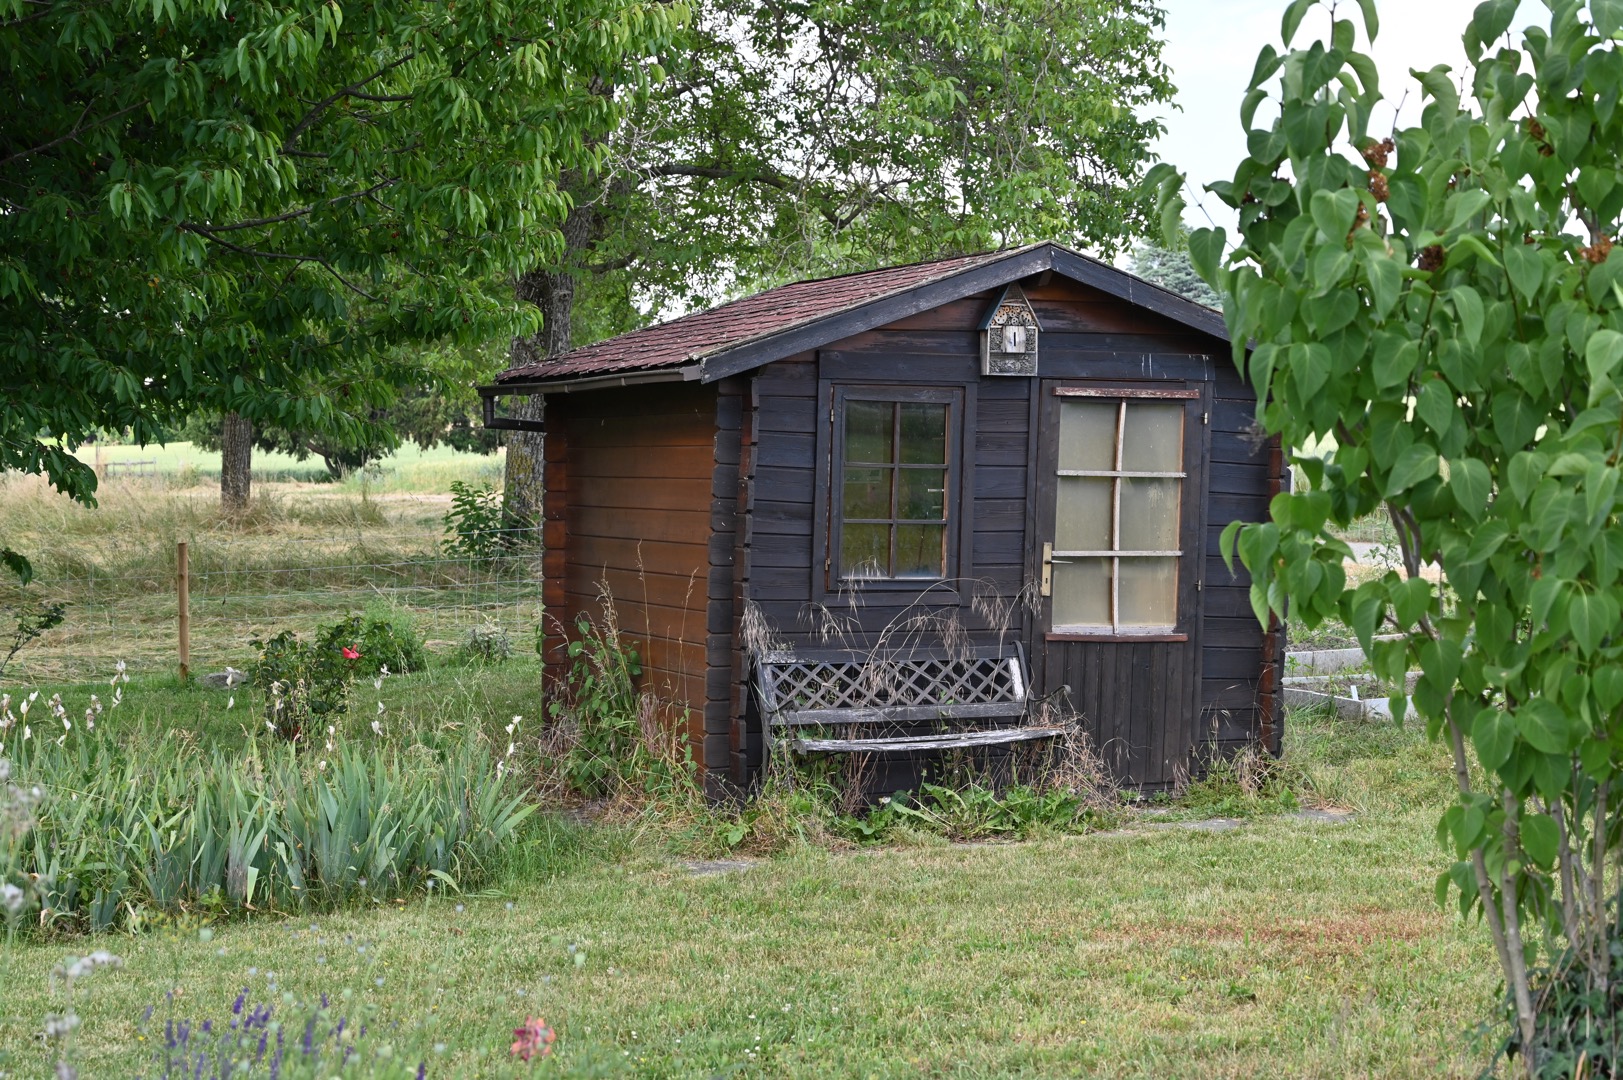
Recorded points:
(758, 329)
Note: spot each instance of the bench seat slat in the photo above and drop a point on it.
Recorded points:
(992, 737)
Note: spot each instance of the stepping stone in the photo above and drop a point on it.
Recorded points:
(1220, 824)
(707, 867)
(1325, 817)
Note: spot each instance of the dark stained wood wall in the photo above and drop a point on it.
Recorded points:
(631, 475)
(1086, 334)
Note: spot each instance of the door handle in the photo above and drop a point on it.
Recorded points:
(1048, 570)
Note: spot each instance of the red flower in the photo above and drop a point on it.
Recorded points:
(532, 1038)
(350, 654)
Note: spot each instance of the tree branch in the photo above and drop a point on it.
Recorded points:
(292, 214)
(79, 128)
(208, 234)
(325, 103)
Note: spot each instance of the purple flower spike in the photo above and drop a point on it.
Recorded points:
(324, 1002)
(242, 999)
(422, 1070)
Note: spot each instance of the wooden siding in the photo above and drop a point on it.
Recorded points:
(1085, 334)
(630, 499)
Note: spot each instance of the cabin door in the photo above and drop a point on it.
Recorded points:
(1118, 514)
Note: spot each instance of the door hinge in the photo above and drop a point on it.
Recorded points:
(1199, 586)
(831, 412)
(1206, 417)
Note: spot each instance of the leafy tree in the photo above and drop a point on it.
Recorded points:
(795, 139)
(242, 207)
(1170, 268)
(1445, 305)
(443, 410)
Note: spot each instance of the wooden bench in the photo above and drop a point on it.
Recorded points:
(827, 687)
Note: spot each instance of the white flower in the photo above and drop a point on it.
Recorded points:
(322, 765)
(269, 726)
(510, 748)
(380, 708)
(377, 728)
(11, 898)
(27, 733)
(231, 701)
(517, 719)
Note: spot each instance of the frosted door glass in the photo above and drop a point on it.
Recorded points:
(1148, 592)
(1082, 593)
(1153, 438)
(1087, 434)
(1082, 513)
(1149, 514)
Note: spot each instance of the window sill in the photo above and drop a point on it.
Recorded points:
(924, 591)
(1117, 638)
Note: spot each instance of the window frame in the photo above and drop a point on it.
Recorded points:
(1191, 514)
(830, 493)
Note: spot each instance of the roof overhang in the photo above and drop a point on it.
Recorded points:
(489, 395)
(1036, 260)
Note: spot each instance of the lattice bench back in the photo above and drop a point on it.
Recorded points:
(843, 686)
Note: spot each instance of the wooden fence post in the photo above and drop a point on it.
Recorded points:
(183, 596)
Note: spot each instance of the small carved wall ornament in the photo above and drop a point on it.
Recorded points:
(1009, 335)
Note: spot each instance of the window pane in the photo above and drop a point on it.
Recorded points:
(868, 431)
(922, 495)
(867, 493)
(865, 551)
(921, 551)
(1087, 434)
(1082, 513)
(1153, 439)
(1149, 590)
(1082, 593)
(924, 433)
(1149, 514)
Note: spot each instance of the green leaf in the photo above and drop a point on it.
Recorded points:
(1385, 281)
(1372, 21)
(1608, 16)
(1471, 483)
(1547, 727)
(1591, 615)
(1602, 353)
(1515, 419)
(1394, 361)
(1206, 252)
(1226, 541)
(1607, 682)
(1410, 600)
(1435, 405)
(1464, 205)
(1468, 308)
(1525, 268)
(1293, 19)
(1334, 213)
(1493, 733)
(1492, 18)
(1539, 839)
(1417, 463)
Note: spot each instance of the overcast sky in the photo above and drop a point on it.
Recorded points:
(1212, 45)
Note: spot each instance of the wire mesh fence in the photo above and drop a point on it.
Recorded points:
(245, 589)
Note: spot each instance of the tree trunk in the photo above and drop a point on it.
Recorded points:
(236, 461)
(553, 291)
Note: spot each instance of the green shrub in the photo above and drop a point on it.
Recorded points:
(474, 526)
(613, 738)
(487, 643)
(302, 683)
(305, 683)
(384, 636)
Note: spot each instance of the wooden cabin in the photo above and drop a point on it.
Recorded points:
(1004, 475)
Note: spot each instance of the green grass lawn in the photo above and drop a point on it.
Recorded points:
(1279, 948)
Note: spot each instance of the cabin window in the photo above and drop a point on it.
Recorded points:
(893, 503)
(1118, 498)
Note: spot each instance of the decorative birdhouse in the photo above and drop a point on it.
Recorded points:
(1009, 335)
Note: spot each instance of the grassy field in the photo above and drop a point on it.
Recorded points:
(303, 554)
(1282, 947)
